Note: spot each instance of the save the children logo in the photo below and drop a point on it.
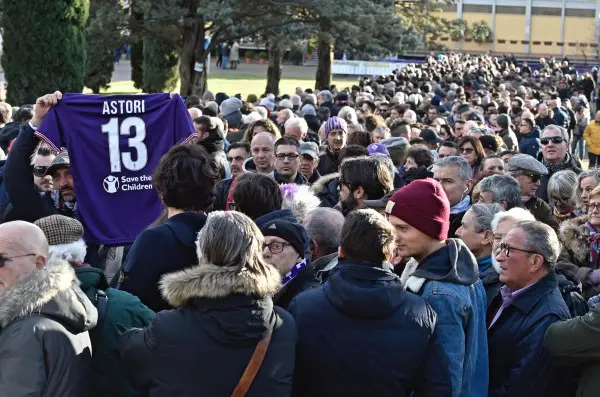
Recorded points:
(111, 184)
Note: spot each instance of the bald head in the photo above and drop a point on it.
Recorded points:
(194, 113)
(24, 248)
(263, 151)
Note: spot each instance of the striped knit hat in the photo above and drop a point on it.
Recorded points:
(335, 123)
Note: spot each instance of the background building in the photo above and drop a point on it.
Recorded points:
(531, 27)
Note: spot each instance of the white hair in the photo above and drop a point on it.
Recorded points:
(71, 252)
(516, 214)
(300, 200)
(349, 114)
(297, 122)
(251, 118)
(262, 112)
(296, 100)
(289, 114)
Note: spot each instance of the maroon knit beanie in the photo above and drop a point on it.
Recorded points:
(423, 204)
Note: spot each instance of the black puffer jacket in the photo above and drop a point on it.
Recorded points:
(204, 346)
(326, 189)
(329, 162)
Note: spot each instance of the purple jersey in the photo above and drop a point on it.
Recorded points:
(115, 143)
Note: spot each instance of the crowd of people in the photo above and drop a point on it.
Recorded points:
(428, 233)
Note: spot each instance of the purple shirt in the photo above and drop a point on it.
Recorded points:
(115, 143)
(508, 297)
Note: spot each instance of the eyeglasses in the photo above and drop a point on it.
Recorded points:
(40, 170)
(290, 156)
(507, 248)
(593, 207)
(554, 139)
(534, 177)
(467, 150)
(4, 259)
(276, 247)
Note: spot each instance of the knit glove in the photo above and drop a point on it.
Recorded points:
(594, 277)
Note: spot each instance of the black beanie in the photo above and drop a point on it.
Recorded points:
(291, 232)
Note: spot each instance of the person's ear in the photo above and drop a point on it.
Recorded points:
(314, 248)
(488, 238)
(40, 261)
(538, 263)
(359, 192)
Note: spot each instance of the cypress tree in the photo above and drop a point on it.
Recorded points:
(137, 60)
(43, 47)
(159, 66)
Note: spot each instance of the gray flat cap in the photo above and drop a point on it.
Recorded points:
(524, 162)
(397, 141)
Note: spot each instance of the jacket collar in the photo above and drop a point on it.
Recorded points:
(186, 225)
(529, 299)
(215, 282)
(35, 291)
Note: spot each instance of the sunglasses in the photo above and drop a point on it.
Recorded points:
(467, 150)
(554, 139)
(534, 177)
(4, 259)
(40, 170)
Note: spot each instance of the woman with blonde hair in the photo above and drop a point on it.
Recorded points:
(224, 316)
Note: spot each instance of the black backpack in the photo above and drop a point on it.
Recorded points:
(102, 306)
(571, 290)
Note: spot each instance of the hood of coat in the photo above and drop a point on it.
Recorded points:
(185, 227)
(319, 186)
(217, 282)
(453, 263)
(574, 235)
(51, 292)
(536, 133)
(364, 290)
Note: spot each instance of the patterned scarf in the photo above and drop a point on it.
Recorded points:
(567, 164)
(292, 274)
(594, 240)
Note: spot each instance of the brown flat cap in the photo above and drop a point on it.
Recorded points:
(60, 229)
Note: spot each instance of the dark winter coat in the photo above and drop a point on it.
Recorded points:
(561, 118)
(8, 133)
(575, 257)
(345, 347)
(313, 123)
(576, 343)
(204, 346)
(45, 349)
(541, 211)
(162, 249)
(491, 283)
(299, 180)
(222, 191)
(530, 143)
(123, 312)
(326, 189)
(544, 122)
(519, 364)
(329, 162)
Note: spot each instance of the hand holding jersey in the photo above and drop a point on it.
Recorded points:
(43, 105)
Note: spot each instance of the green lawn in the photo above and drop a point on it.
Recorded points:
(244, 84)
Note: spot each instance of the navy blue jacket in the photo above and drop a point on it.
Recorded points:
(361, 334)
(530, 143)
(561, 118)
(163, 249)
(519, 364)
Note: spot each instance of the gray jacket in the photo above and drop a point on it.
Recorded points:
(45, 349)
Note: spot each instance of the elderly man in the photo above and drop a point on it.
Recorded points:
(528, 172)
(283, 116)
(501, 189)
(125, 311)
(45, 348)
(518, 318)
(556, 156)
(324, 226)
(476, 232)
(296, 128)
(309, 161)
(456, 176)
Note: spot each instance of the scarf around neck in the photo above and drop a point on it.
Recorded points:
(567, 163)
(464, 205)
(292, 274)
(594, 240)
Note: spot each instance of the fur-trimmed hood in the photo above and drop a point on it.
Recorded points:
(574, 235)
(214, 282)
(319, 186)
(52, 292)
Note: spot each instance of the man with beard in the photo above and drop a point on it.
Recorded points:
(237, 153)
(43, 160)
(28, 203)
(361, 179)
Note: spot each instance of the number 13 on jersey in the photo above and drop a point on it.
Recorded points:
(135, 142)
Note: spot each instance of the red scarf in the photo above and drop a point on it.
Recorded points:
(230, 195)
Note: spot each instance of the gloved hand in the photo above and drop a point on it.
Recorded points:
(594, 277)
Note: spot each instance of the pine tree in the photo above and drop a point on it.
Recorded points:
(43, 47)
(159, 66)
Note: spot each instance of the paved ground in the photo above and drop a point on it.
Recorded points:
(123, 70)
